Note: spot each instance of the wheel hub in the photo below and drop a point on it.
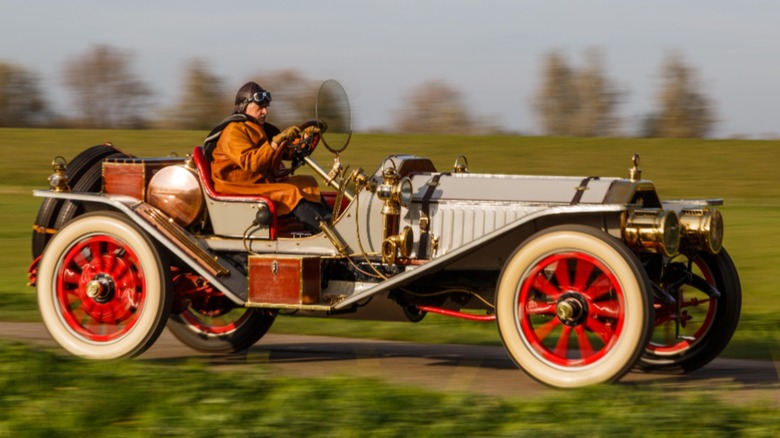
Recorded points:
(101, 288)
(571, 309)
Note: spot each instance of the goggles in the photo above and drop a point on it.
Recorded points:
(261, 98)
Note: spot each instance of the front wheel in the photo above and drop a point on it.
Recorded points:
(574, 307)
(103, 287)
(706, 323)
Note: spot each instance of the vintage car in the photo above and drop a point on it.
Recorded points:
(587, 278)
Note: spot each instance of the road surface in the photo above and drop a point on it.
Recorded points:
(477, 369)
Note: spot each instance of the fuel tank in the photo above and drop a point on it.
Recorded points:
(176, 191)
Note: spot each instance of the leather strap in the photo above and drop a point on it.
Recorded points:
(581, 189)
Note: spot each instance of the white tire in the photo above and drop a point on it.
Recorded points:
(103, 288)
(574, 307)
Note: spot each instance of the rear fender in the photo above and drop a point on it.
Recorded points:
(223, 275)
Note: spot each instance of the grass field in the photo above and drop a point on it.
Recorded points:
(44, 394)
(50, 395)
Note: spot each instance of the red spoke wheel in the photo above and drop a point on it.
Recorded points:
(206, 320)
(573, 307)
(706, 323)
(102, 287)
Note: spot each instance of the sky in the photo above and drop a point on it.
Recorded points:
(490, 51)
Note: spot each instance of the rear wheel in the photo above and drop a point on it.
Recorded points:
(206, 320)
(706, 323)
(573, 307)
(103, 287)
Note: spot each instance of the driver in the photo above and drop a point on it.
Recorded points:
(248, 154)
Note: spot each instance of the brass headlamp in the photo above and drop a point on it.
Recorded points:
(702, 229)
(652, 230)
(58, 181)
(395, 191)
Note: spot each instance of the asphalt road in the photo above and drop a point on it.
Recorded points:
(477, 369)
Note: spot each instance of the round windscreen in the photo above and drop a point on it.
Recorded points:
(333, 108)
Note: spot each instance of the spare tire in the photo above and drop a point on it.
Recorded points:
(92, 181)
(81, 165)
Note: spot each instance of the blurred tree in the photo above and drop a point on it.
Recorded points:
(649, 126)
(684, 109)
(106, 92)
(21, 103)
(434, 107)
(556, 101)
(203, 102)
(576, 103)
(598, 100)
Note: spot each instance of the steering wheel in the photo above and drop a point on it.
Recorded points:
(311, 133)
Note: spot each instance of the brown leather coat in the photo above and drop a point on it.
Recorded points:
(244, 164)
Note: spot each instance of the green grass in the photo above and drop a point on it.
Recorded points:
(50, 395)
(742, 172)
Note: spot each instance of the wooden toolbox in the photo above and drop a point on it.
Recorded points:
(284, 280)
(130, 176)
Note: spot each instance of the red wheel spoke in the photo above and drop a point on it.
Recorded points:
(121, 272)
(582, 274)
(88, 306)
(562, 274)
(562, 346)
(604, 331)
(586, 350)
(544, 330)
(70, 277)
(540, 308)
(109, 263)
(543, 285)
(122, 310)
(77, 258)
(605, 309)
(600, 286)
(96, 254)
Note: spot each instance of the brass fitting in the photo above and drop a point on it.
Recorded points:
(635, 173)
(399, 243)
(461, 164)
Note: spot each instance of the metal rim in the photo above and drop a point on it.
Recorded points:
(571, 309)
(100, 288)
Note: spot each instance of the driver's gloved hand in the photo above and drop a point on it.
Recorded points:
(311, 130)
(287, 134)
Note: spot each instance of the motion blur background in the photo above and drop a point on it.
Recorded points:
(567, 69)
(598, 68)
